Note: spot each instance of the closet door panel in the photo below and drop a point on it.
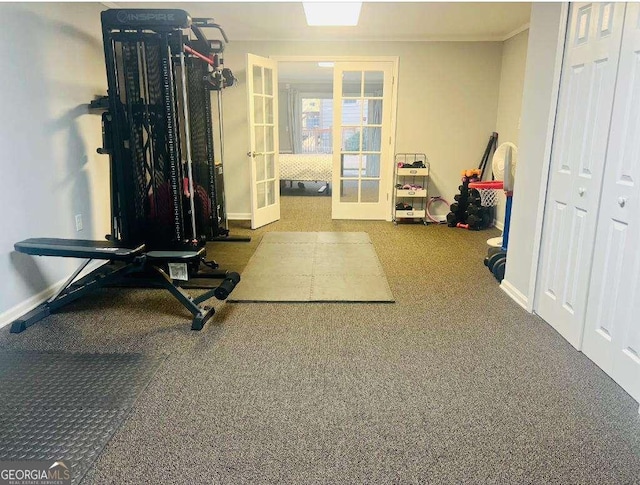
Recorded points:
(579, 148)
(612, 329)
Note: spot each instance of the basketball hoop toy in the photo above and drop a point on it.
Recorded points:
(488, 191)
(504, 166)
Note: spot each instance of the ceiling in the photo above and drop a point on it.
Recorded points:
(381, 21)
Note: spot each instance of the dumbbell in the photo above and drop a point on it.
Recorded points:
(474, 200)
(494, 258)
(487, 218)
(491, 252)
(227, 286)
(474, 221)
(452, 219)
(499, 268)
(474, 210)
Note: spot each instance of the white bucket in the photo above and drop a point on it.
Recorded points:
(495, 242)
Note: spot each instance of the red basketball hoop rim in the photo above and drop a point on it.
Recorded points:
(491, 184)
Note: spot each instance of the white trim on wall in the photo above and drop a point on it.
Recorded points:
(239, 216)
(515, 294)
(546, 161)
(29, 304)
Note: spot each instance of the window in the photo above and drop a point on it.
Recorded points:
(316, 122)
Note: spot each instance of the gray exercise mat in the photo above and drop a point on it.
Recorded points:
(314, 267)
(65, 406)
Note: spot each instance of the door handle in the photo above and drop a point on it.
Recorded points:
(581, 191)
(254, 154)
(622, 201)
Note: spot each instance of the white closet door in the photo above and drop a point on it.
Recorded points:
(612, 330)
(579, 146)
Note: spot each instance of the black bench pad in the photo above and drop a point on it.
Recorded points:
(175, 256)
(79, 248)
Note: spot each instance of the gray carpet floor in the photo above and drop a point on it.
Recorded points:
(454, 383)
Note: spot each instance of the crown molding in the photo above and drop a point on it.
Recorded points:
(515, 32)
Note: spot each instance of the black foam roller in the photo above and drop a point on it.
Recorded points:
(227, 286)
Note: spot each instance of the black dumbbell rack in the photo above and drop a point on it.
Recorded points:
(467, 211)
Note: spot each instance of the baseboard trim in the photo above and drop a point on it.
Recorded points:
(30, 303)
(515, 294)
(498, 225)
(239, 216)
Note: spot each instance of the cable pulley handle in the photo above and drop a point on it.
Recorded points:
(197, 54)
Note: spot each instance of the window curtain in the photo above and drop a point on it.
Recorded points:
(374, 143)
(294, 119)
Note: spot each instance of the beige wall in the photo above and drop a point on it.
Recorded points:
(514, 59)
(447, 105)
(52, 66)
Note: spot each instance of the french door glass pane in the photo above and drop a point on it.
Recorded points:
(351, 139)
(371, 165)
(257, 80)
(268, 133)
(352, 112)
(260, 194)
(373, 83)
(348, 191)
(260, 171)
(271, 192)
(372, 112)
(268, 108)
(259, 133)
(268, 81)
(258, 109)
(271, 169)
(352, 83)
(350, 165)
(371, 139)
(370, 190)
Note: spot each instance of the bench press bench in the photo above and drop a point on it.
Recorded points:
(122, 261)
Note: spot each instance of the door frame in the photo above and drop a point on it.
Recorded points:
(395, 60)
(546, 161)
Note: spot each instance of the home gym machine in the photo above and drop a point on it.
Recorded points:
(166, 188)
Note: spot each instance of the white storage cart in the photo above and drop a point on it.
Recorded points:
(410, 192)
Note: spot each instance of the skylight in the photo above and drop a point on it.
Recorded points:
(332, 13)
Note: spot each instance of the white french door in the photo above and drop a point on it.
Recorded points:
(578, 154)
(612, 328)
(362, 129)
(262, 90)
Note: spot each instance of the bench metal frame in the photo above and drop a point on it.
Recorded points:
(115, 273)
